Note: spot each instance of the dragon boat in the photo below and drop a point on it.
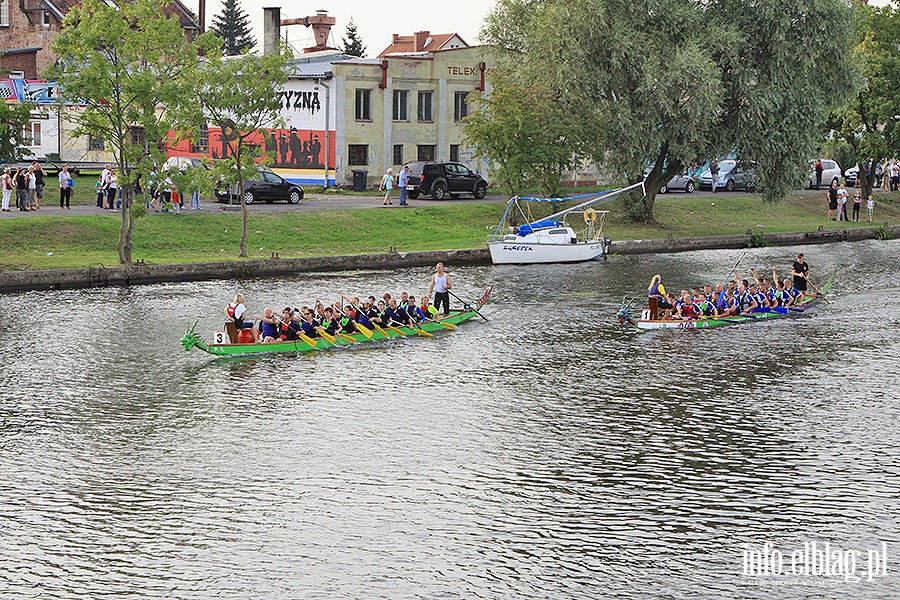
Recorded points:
(223, 347)
(759, 314)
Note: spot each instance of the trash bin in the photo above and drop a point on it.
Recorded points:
(359, 180)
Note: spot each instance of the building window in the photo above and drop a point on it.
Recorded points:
(401, 105)
(363, 105)
(201, 146)
(426, 107)
(32, 135)
(136, 136)
(398, 154)
(45, 18)
(454, 152)
(426, 152)
(4, 13)
(357, 154)
(460, 107)
(95, 143)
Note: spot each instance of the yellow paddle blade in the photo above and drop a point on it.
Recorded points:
(309, 341)
(346, 337)
(422, 332)
(327, 335)
(380, 330)
(446, 325)
(364, 330)
(400, 331)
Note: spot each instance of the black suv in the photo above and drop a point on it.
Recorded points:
(266, 186)
(441, 178)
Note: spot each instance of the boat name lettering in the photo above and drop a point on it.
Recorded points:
(519, 248)
(687, 325)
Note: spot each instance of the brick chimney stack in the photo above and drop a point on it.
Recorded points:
(271, 30)
(421, 38)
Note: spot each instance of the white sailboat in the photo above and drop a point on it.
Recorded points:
(552, 239)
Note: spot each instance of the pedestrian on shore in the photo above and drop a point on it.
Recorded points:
(32, 189)
(819, 169)
(895, 175)
(6, 184)
(39, 174)
(857, 204)
(832, 201)
(870, 207)
(111, 190)
(842, 203)
(387, 184)
(65, 187)
(101, 192)
(714, 173)
(403, 181)
(21, 182)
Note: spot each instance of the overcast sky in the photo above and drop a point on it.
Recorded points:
(375, 23)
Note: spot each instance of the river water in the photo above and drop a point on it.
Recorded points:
(548, 453)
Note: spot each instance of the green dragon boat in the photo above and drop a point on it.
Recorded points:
(192, 339)
(761, 314)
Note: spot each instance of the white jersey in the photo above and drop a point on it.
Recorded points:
(440, 283)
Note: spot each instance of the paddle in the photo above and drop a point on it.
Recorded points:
(734, 268)
(812, 285)
(309, 341)
(466, 305)
(397, 330)
(326, 335)
(344, 336)
(380, 330)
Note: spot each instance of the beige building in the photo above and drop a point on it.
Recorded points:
(406, 107)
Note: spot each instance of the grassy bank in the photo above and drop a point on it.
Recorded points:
(44, 242)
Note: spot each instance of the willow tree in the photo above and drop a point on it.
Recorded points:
(238, 95)
(671, 82)
(526, 138)
(121, 64)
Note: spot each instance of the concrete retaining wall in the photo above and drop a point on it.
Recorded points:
(12, 281)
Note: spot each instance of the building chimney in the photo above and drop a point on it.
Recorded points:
(421, 38)
(271, 29)
(321, 25)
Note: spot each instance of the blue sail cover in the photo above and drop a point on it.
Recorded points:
(531, 227)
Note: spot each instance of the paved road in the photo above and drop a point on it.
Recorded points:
(314, 202)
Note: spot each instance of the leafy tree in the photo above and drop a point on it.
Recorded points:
(352, 42)
(526, 138)
(869, 126)
(236, 95)
(671, 82)
(13, 120)
(121, 64)
(233, 26)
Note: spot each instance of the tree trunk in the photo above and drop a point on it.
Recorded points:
(244, 214)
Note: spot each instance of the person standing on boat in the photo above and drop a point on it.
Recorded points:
(440, 283)
(800, 271)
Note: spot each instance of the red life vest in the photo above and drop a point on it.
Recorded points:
(687, 310)
(229, 310)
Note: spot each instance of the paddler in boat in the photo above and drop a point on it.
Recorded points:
(416, 316)
(430, 310)
(656, 297)
(394, 314)
(328, 323)
(288, 328)
(234, 319)
(268, 326)
(685, 308)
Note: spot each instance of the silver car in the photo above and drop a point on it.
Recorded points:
(681, 182)
(831, 173)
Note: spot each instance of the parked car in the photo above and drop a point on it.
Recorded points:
(182, 162)
(851, 175)
(439, 179)
(732, 175)
(681, 182)
(266, 187)
(831, 172)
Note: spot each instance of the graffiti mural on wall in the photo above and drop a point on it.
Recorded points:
(31, 90)
(284, 148)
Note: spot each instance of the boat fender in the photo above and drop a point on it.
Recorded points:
(590, 215)
(245, 336)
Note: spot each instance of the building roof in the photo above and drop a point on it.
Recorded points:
(423, 41)
(173, 7)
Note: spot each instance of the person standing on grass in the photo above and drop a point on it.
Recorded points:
(39, 174)
(870, 207)
(32, 190)
(857, 203)
(403, 180)
(842, 203)
(832, 201)
(387, 183)
(65, 187)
